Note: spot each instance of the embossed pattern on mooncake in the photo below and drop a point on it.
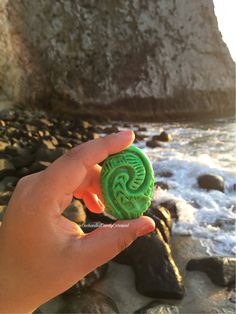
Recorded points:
(127, 183)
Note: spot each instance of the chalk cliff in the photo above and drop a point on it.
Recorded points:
(145, 60)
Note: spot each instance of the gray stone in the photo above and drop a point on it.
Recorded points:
(147, 59)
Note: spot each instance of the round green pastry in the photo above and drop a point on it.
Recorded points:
(127, 182)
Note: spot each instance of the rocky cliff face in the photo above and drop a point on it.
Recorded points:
(147, 59)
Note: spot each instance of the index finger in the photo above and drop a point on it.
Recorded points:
(65, 174)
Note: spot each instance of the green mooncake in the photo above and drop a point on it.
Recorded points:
(127, 183)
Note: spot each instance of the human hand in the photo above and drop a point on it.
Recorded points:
(42, 253)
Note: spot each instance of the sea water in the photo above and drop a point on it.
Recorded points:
(196, 149)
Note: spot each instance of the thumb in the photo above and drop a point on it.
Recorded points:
(106, 242)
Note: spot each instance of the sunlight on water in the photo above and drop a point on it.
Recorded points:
(196, 149)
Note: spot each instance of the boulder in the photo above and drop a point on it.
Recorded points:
(211, 182)
(143, 60)
(156, 274)
(221, 270)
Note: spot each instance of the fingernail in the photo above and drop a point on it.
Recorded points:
(145, 228)
(100, 203)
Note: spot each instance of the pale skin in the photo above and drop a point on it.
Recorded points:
(42, 253)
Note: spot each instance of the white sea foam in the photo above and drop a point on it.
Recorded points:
(195, 150)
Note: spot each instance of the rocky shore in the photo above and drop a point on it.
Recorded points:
(151, 275)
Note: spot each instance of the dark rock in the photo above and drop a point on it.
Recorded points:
(163, 137)
(98, 217)
(87, 281)
(156, 274)
(155, 307)
(38, 165)
(171, 206)
(160, 225)
(22, 161)
(2, 211)
(9, 182)
(17, 150)
(142, 129)
(75, 212)
(234, 186)
(24, 171)
(90, 302)
(45, 154)
(110, 129)
(165, 174)
(160, 212)
(3, 145)
(6, 168)
(5, 197)
(153, 143)
(221, 270)
(211, 182)
(139, 136)
(161, 185)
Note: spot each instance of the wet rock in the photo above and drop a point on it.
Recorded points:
(155, 307)
(2, 211)
(139, 136)
(5, 197)
(211, 182)
(38, 165)
(45, 154)
(153, 143)
(87, 281)
(163, 137)
(90, 302)
(234, 186)
(172, 207)
(142, 129)
(161, 185)
(9, 182)
(6, 168)
(3, 145)
(110, 129)
(17, 150)
(160, 225)
(156, 274)
(221, 270)
(48, 144)
(165, 174)
(75, 212)
(160, 212)
(22, 161)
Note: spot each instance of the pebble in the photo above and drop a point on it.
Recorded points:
(6, 168)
